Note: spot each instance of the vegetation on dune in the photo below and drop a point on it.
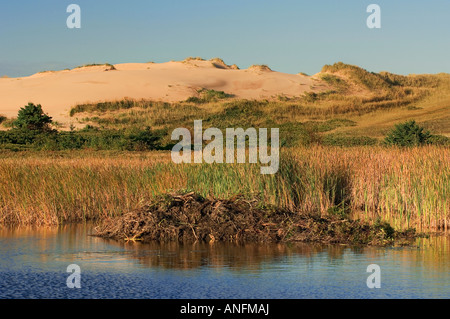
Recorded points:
(384, 91)
(295, 119)
(33, 130)
(260, 67)
(220, 64)
(207, 96)
(193, 59)
(370, 80)
(382, 80)
(385, 95)
(113, 124)
(109, 66)
(124, 104)
(335, 81)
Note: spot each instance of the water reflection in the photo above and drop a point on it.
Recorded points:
(218, 255)
(162, 270)
(73, 242)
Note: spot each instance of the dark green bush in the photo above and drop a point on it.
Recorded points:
(144, 140)
(408, 134)
(31, 117)
(136, 140)
(18, 136)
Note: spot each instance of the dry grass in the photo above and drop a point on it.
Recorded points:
(375, 102)
(408, 188)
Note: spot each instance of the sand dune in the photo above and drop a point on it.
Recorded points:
(58, 91)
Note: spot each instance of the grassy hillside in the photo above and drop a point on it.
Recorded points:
(359, 109)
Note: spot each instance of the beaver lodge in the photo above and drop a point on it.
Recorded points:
(191, 217)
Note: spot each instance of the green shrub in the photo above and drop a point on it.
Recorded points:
(408, 134)
(144, 140)
(134, 140)
(32, 117)
(18, 136)
(70, 140)
(439, 140)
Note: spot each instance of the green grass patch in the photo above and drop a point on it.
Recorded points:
(207, 96)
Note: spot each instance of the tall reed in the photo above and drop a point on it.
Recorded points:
(406, 187)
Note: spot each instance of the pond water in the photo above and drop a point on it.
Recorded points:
(33, 264)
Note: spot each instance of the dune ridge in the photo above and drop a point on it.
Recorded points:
(58, 91)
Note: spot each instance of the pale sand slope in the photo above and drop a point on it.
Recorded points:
(58, 91)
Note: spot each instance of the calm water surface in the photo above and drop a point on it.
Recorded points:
(33, 264)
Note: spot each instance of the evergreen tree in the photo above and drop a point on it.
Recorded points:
(31, 117)
(408, 134)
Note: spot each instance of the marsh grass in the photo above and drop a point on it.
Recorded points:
(405, 187)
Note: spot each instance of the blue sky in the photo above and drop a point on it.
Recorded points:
(288, 35)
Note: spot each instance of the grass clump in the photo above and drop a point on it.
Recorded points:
(124, 104)
(260, 67)
(109, 66)
(207, 96)
(335, 81)
(193, 59)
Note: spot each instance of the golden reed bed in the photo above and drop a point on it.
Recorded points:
(405, 187)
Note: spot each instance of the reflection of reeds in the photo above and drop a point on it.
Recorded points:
(249, 256)
(408, 188)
